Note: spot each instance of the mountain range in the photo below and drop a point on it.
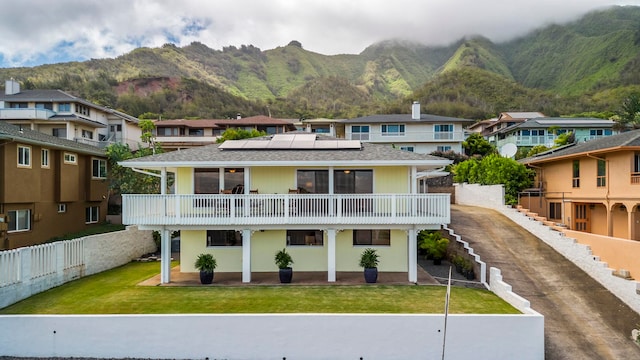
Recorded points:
(586, 66)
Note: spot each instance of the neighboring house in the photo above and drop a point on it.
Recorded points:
(324, 199)
(544, 131)
(330, 127)
(416, 132)
(59, 114)
(48, 186)
(507, 119)
(591, 186)
(483, 127)
(180, 133)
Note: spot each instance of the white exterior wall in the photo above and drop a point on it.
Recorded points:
(275, 336)
(488, 196)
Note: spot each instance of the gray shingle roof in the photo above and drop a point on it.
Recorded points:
(625, 139)
(546, 122)
(28, 136)
(211, 155)
(403, 118)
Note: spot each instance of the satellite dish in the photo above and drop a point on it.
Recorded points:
(508, 150)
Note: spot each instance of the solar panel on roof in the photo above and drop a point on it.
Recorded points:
(290, 141)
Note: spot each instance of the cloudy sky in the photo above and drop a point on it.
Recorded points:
(42, 31)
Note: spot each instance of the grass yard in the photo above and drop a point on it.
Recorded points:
(115, 292)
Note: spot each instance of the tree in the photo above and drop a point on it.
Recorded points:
(495, 169)
(628, 117)
(237, 134)
(124, 180)
(147, 126)
(537, 150)
(565, 138)
(476, 144)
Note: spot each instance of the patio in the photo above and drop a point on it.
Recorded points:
(299, 278)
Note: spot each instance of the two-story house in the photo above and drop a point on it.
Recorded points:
(321, 198)
(59, 114)
(48, 186)
(591, 186)
(544, 131)
(416, 132)
(181, 133)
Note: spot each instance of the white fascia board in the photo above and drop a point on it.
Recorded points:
(190, 164)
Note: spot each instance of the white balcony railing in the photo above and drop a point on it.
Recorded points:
(284, 209)
(25, 114)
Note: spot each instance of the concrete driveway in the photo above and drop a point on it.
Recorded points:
(582, 319)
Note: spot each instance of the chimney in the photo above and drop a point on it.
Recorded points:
(238, 116)
(415, 110)
(11, 87)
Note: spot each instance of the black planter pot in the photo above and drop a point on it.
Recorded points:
(206, 277)
(285, 275)
(371, 275)
(470, 275)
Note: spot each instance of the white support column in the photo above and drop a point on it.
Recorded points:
(163, 181)
(246, 256)
(332, 210)
(331, 255)
(221, 180)
(165, 256)
(413, 256)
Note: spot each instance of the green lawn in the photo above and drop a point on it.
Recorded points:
(115, 292)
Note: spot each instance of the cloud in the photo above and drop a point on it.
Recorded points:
(39, 31)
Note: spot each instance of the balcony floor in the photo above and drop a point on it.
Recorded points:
(299, 278)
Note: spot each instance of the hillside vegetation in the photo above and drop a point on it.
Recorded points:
(588, 65)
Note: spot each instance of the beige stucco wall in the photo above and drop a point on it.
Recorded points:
(273, 180)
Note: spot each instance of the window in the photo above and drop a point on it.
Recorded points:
(555, 210)
(115, 128)
(196, 132)
(304, 237)
(444, 148)
(92, 215)
(600, 132)
(392, 130)
(44, 158)
(83, 110)
(407, 148)
(353, 181)
(601, 179)
(19, 105)
(70, 158)
(206, 181)
(224, 238)
(576, 173)
(635, 174)
(87, 134)
(359, 132)
(443, 132)
(99, 168)
(24, 156)
(64, 107)
(62, 208)
(313, 181)
(60, 133)
(19, 220)
(169, 131)
(372, 237)
(48, 106)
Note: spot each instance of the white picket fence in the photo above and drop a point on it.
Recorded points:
(30, 270)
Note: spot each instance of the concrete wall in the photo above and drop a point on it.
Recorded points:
(28, 271)
(488, 196)
(275, 336)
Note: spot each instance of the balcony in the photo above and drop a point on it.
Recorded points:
(25, 114)
(286, 209)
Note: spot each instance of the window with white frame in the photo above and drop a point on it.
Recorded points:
(304, 237)
(24, 156)
(99, 168)
(83, 109)
(372, 237)
(407, 148)
(359, 132)
(59, 132)
(444, 148)
(44, 158)
(19, 220)
(64, 107)
(92, 214)
(62, 208)
(443, 131)
(393, 130)
(70, 158)
(86, 134)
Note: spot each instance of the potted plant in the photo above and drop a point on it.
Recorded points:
(435, 245)
(369, 261)
(283, 261)
(206, 263)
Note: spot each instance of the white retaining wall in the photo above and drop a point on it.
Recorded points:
(274, 336)
(30, 270)
(488, 196)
